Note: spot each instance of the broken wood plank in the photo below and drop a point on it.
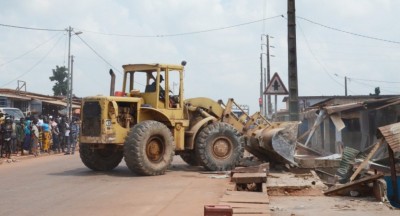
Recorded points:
(337, 121)
(262, 168)
(263, 214)
(248, 178)
(365, 162)
(246, 205)
(259, 195)
(235, 199)
(351, 184)
(251, 211)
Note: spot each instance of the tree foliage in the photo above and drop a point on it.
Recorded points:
(377, 92)
(60, 76)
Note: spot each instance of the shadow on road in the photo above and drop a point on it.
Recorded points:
(117, 172)
(123, 171)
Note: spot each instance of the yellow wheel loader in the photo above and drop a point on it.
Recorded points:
(149, 121)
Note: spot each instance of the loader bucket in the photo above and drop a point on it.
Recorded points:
(275, 143)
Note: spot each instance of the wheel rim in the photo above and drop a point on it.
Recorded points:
(221, 148)
(155, 149)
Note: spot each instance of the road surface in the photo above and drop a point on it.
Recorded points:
(62, 185)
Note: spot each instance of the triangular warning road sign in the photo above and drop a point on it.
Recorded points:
(276, 86)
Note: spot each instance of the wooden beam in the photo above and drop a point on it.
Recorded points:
(351, 184)
(365, 162)
(248, 178)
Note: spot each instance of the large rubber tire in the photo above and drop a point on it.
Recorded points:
(149, 148)
(219, 147)
(190, 158)
(104, 159)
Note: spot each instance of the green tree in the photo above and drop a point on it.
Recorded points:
(377, 92)
(60, 76)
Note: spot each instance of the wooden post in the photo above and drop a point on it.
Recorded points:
(393, 175)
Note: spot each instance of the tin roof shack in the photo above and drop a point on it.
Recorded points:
(328, 128)
(33, 103)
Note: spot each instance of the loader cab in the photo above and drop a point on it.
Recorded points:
(160, 86)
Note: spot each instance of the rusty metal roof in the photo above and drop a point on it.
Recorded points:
(391, 133)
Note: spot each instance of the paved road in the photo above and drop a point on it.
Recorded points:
(62, 185)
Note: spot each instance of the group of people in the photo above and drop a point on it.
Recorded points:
(36, 135)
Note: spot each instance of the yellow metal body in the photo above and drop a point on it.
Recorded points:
(117, 114)
(108, 119)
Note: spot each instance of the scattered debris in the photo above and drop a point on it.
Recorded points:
(350, 185)
(219, 176)
(295, 185)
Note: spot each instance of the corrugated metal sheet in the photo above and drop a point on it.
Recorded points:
(344, 107)
(392, 135)
(344, 170)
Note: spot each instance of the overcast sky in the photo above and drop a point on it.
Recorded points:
(222, 63)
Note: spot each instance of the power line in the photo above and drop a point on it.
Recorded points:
(366, 84)
(379, 81)
(36, 64)
(347, 32)
(26, 53)
(368, 80)
(95, 52)
(317, 60)
(30, 28)
(182, 34)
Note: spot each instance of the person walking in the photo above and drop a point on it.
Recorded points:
(62, 129)
(66, 136)
(74, 134)
(27, 141)
(46, 136)
(55, 132)
(20, 135)
(13, 136)
(6, 131)
(35, 137)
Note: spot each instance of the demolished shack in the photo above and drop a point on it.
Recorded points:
(329, 128)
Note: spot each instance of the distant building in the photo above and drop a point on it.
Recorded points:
(35, 104)
(344, 120)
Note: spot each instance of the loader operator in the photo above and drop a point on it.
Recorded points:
(152, 87)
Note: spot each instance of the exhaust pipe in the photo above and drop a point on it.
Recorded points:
(112, 86)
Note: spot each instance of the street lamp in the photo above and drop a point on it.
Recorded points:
(69, 79)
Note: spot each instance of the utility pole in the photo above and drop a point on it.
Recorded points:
(345, 85)
(69, 81)
(71, 89)
(268, 78)
(69, 78)
(264, 95)
(292, 63)
(261, 85)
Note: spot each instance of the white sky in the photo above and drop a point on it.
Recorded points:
(220, 64)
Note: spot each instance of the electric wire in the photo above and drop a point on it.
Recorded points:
(369, 85)
(26, 53)
(347, 32)
(363, 82)
(98, 55)
(36, 64)
(317, 60)
(30, 28)
(378, 81)
(184, 33)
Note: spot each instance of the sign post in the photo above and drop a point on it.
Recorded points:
(276, 87)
